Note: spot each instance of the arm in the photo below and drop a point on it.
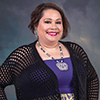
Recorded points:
(17, 61)
(92, 83)
(92, 78)
(5, 79)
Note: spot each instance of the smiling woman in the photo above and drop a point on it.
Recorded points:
(49, 69)
(38, 13)
(50, 27)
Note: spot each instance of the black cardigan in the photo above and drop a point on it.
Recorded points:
(34, 80)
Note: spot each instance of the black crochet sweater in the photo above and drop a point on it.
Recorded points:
(34, 80)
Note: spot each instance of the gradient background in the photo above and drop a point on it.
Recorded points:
(83, 15)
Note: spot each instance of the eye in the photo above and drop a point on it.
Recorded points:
(48, 22)
(58, 22)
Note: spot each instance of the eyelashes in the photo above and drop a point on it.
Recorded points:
(49, 22)
(58, 22)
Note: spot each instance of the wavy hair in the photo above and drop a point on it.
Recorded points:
(38, 13)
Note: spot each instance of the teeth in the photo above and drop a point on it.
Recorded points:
(52, 33)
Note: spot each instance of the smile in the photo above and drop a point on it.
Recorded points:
(52, 33)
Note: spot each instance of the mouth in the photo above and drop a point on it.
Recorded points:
(52, 33)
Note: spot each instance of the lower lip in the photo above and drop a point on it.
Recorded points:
(52, 34)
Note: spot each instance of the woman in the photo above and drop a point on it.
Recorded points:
(49, 69)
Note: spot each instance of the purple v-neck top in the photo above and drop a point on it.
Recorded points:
(65, 78)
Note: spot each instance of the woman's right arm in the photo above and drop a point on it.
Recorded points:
(18, 60)
(7, 72)
(10, 68)
(5, 79)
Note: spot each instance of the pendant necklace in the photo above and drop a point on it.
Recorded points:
(60, 65)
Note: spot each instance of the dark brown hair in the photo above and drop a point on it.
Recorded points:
(38, 13)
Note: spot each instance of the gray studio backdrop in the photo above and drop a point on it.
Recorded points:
(83, 15)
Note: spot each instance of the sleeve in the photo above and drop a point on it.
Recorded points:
(92, 77)
(92, 83)
(5, 79)
(12, 67)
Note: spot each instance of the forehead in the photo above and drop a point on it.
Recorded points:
(51, 13)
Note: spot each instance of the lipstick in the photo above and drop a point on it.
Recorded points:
(51, 33)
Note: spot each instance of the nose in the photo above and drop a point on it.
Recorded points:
(53, 26)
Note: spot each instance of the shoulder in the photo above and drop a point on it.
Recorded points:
(22, 51)
(72, 45)
(26, 47)
(20, 58)
(75, 49)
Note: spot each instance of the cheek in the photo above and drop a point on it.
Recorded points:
(43, 27)
(61, 28)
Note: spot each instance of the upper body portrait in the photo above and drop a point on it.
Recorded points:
(49, 69)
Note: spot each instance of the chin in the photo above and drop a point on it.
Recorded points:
(53, 40)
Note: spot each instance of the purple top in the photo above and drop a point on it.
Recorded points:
(65, 78)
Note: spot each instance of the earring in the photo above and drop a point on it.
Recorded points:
(36, 35)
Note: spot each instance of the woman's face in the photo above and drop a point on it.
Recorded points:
(50, 26)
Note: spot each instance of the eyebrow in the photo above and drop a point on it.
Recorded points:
(51, 19)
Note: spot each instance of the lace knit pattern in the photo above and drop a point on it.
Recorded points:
(33, 80)
(92, 78)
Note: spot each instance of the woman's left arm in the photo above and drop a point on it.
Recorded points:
(92, 83)
(92, 77)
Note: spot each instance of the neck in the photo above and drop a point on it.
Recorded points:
(49, 45)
